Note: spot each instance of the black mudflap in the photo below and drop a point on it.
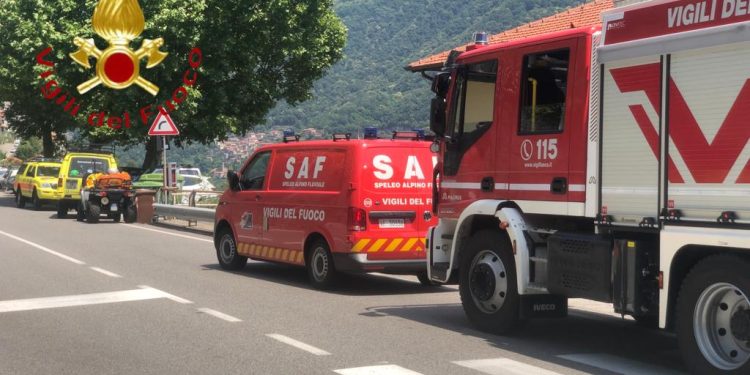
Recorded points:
(543, 306)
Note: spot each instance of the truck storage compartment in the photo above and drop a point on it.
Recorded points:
(635, 283)
(579, 266)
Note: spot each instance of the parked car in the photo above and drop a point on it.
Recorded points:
(10, 177)
(38, 184)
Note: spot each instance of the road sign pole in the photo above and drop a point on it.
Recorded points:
(164, 161)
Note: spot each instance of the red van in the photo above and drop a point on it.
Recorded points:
(341, 205)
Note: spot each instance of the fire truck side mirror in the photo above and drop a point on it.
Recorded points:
(234, 181)
(437, 116)
(441, 83)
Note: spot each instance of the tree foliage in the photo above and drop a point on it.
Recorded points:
(254, 54)
(29, 148)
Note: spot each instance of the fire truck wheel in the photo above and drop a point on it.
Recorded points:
(425, 280)
(20, 200)
(713, 316)
(62, 211)
(36, 203)
(226, 252)
(92, 215)
(320, 266)
(487, 282)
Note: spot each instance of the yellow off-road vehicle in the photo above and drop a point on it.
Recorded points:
(76, 166)
(36, 182)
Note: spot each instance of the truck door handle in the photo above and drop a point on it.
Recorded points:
(488, 184)
(559, 185)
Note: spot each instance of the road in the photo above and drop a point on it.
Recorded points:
(113, 298)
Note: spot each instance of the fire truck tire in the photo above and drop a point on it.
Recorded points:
(226, 252)
(92, 215)
(713, 316)
(80, 214)
(487, 283)
(62, 211)
(319, 264)
(36, 203)
(20, 199)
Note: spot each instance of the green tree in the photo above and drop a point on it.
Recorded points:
(29, 148)
(254, 54)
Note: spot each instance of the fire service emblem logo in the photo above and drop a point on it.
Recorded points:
(118, 66)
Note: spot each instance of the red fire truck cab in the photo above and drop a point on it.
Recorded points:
(610, 165)
(342, 205)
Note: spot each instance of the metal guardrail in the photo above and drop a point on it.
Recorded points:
(169, 203)
(184, 212)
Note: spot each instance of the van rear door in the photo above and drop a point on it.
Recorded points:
(396, 195)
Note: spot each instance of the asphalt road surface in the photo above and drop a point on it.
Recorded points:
(108, 298)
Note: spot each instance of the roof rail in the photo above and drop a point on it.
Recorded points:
(41, 159)
(417, 134)
(342, 136)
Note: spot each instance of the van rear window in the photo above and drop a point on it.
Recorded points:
(82, 166)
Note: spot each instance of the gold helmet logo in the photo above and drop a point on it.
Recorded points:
(118, 66)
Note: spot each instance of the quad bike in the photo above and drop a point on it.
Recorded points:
(111, 195)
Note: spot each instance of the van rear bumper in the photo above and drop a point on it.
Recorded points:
(348, 262)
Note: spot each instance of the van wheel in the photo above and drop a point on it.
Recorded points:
(36, 203)
(713, 316)
(226, 252)
(425, 280)
(92, 215)
(320, 266)
(62, 211)
(20, 200)
(487, 282)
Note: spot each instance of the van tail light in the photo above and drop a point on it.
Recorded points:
(357, 219)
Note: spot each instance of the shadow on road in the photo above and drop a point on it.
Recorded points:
(351, 285)
(545, 339)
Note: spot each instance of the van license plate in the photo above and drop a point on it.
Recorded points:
(113, 207)
(391, 223)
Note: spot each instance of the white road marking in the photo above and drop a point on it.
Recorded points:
(618, 364)
(169, 233)
(220, 315)
(167, 295)
(81, 300)
(377, 370)
(105, 272)
(297, 344)
(42, 248)
(504, 366)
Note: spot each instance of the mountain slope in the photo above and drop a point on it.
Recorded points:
(369, 87)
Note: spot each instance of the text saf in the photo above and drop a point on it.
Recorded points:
(384, 170)
(304, 168)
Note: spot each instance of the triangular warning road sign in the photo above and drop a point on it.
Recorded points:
(163, 125)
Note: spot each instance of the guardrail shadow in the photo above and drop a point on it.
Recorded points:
(545, 339)
(348, 284)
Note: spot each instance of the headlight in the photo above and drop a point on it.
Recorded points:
(48, 185)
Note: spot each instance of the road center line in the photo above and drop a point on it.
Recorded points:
(377, 370)
(80, 300)
(297, 344)
(105, 272)
(42, 248)
(220, 315)
(169, 233)
(504, 366)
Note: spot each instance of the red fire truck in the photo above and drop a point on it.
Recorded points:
(607, 163)
(341, 205)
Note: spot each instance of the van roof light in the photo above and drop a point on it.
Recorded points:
(371, 133)
(342, 136)
(289, 136)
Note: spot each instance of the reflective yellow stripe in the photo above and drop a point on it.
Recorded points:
(299, 257)
(360, 245)
(394, 244)
(285, 255)
(424, 244)
(409, 244)
(253, 249)
(377, 245)
(264, 253)
(277, 253)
